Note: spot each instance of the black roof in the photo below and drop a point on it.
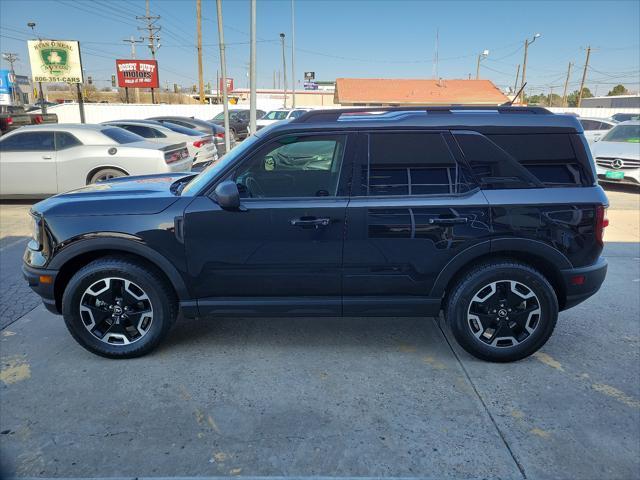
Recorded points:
(480, 118)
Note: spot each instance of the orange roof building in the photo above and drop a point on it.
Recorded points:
(376, 92)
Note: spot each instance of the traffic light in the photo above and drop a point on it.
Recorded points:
(113, 80)
(90, 80)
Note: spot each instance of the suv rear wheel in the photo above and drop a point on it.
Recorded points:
(118, 308)
(502, 311)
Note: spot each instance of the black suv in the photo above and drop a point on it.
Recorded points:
(493, 216)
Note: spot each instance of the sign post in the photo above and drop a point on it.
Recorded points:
(56, 61)
(138, 74)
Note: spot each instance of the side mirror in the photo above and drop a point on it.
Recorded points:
(227, 195)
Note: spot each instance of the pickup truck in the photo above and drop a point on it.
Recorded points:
(12, 118)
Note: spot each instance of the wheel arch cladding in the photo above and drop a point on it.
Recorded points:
(73, 257)
(538, 255)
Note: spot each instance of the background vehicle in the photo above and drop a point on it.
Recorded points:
(494, 217)
(617, 154)
(238, 121)
(42, 160)
(200, 145)
(595, 128)
(281, 114)
(202, 126)
(12, 118)
(623, 117)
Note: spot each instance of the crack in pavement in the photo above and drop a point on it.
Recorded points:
(482, 402)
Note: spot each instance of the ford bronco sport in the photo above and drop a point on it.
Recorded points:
(491, 215)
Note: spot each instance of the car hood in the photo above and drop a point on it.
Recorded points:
(616, 149)
(139, 195)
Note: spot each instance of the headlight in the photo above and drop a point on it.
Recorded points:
(37, 233)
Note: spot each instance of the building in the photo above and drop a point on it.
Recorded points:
(376, 92)
(616, 101)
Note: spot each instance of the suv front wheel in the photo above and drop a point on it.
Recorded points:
(118, 307)
(502, 311)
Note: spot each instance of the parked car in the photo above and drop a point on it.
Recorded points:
(281, 114)
(202, 126)
(624, 117)
(238, 122)
(42, 160)
(494, 217)
(595, 128)
(617, 154)
(200, 145)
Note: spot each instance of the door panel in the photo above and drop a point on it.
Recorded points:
(278, 255)
(28, 164)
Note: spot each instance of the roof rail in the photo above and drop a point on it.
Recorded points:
(388, 113)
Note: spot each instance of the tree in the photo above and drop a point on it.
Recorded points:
(618, 90)
(572, 98)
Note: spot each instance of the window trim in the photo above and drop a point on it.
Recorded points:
(448, 140)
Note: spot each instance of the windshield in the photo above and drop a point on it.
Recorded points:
(276, 115)
(204, 177)
(219, 116)
(623, 133)
(180, 129)
(121, 136)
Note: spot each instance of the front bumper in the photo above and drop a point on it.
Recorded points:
(581, 283)
(42, 282)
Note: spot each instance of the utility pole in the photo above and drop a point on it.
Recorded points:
(435, 56)
(253, 97)
(293, 56)
(199, 30)
(223, 69)
(12, 58)
(584, 76)
(274, 79)
(153, 36)
(136, 91)
(566, 85)
(284, 71)
(524, 64)
(515, 85)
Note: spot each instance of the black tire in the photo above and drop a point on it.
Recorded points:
(159, 299)
(496, 276)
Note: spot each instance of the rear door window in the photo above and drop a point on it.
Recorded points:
(410, 164)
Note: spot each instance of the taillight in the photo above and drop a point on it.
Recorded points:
(38, 119)
(176, 155)
(602, 222)
(220, 135)
(201, 142)
(9, 121)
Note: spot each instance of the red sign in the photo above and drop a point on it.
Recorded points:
(137, 73)
(229, 85)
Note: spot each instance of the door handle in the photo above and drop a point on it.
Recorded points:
(47, 157)
(307, 222)
(448, 221)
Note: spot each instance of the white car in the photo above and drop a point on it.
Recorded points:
(42, 160)
(596, 128)
(617, 154)
(200, 145)
(274, 116)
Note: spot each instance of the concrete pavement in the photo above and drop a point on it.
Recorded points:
(357, 397)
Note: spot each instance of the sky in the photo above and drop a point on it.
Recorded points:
(340, 38)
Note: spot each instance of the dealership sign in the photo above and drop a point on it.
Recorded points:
(7, 83)
(137, 73)
(55, 61)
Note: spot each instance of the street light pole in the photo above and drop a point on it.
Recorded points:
(293, 56)
(284, 71)
(524, 64)
(223, 71)
(253, 97)
(482, 56)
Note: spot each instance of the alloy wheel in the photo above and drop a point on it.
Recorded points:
(504, 313)
(116, 311)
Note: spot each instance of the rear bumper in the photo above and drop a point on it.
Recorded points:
(46, 290)
(581, 283)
